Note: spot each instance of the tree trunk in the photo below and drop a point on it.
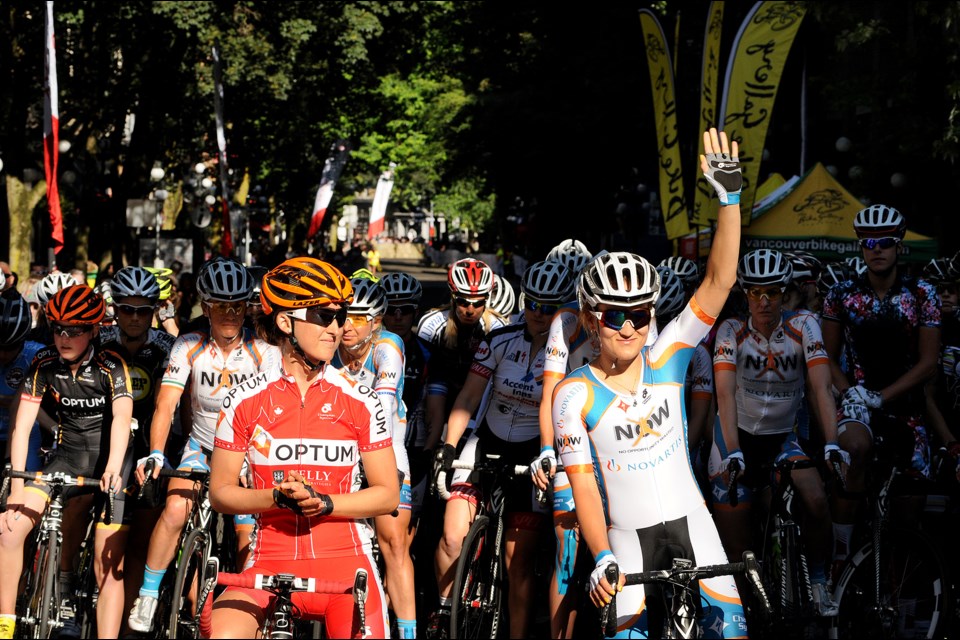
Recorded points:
(21, 201)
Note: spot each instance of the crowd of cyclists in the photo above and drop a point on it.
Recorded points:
(326, 407)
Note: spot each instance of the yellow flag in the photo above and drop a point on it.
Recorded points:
(753, 76)
(672, 200)
(703, 196)
(240, 197)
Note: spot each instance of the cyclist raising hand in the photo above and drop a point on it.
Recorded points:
(620, 426)
(304, 427)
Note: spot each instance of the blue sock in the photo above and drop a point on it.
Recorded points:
(407, 628)
(151, 582)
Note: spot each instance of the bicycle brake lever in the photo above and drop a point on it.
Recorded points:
(732, 486)
(752, 571)
(608, 615)
(148, 467)
(108, 516)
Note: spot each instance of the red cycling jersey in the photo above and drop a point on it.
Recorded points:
(320, 435)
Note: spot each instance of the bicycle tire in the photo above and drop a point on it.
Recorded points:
(914, 590)
(477, 607)
(47, 606)
(193, 560)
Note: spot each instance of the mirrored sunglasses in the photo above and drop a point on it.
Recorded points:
(770, 293)
(138, 310)
(616, 318)
(882, 243)
(321, 316)
(228, 308)
(69, 331)
(534, 306)
(466, 302)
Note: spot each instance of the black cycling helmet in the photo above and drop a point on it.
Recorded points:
(15, 320)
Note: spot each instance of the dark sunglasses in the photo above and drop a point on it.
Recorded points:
(323, 317)
(69, 331)
(770, 293)
(130, 310)
(466, 302)
(533, 306)
(402, 309)
(882, 243)
(616, 318)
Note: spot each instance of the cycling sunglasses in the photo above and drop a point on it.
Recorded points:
(533, 306)
(228, 308)
(321, 316)
(770, 293)
(616, 318)
(882, 243)
(69, 331)
(402, 309)
(359, 320)
(138, 310)
(466, 302)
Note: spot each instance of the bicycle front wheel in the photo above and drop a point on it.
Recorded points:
(477, 586)
(44, 603)
(184, 612)
(905, 595)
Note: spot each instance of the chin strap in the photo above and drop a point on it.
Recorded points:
(310, 364)
(70, 363)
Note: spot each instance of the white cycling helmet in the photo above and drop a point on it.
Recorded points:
(857, 265)
(224, 280)
(15, 320)
(685, 268)
(134, 282)
(470, 277)
(763, 267)
(572, 254)
(51, 283)
(503, 299)
(832, 274)
(402, 287)
(673, 294)
(619, 278)
(368, 297)
(806, 267)
(879, 221)
(549, 282)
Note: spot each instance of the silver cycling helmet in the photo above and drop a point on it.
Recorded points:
(685, 268)
(572, 254)
(224, 280)
(673, 295)
(549, 282)
(620, 279)
(503, 299)
(15, 320)
(368, 298)
(51, 284)
(763, 267)
(401, 287)
(135, 282)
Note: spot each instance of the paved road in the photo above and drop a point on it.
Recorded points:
(433, 279)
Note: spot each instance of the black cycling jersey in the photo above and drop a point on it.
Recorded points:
(84, 402)
(145, 369)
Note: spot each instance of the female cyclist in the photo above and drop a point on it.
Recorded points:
(621, 427)
(94, 406)
(212, 363)
(374, 357)
(304, 428)
(510, 360)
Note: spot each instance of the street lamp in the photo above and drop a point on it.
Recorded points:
(159, 195)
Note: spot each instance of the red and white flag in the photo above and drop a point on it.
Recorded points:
(378, 211)
(226, 244)
(51, 132)
(332, 169)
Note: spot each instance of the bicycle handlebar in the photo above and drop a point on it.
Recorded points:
(684, 573)
(488, 465)
(196, 475)
(56, 478)
(284, 582)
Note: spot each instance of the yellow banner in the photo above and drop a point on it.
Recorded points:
(672, 200)
(703, 197)
(753, 76)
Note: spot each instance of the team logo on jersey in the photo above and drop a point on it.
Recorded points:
(278, 476)
(554, 352)
(277, 410)
(326, 408)
(612, 465)
(815, 347)
(773, 361)
(645, 426)
(261, 441)
(14, 377)
(308, 451)
(564, 443)
(141, 383)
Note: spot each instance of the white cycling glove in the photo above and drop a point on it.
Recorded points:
(861, 395)
(856, 411)
(546, 453)
(604, 560)
(154, 455)
(736, 454)
(831, 450)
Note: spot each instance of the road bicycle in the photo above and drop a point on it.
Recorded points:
(477, 610)
(896, 584)
(680, 593)
(39, 609)
(281, 615)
